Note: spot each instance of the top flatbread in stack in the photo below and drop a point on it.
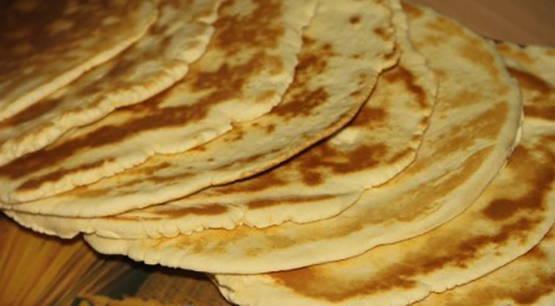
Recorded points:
(247, 66)
(319, 183)
(472, 131)
(159, 59)
(46, 45)
(332, 82)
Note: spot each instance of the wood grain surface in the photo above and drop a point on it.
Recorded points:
(520, 21)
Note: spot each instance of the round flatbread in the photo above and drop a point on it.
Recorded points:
(510, 218)
(156, 61)
(44, 45)
(247, 66)
(472, 132)
(332, 81)
(319, 183)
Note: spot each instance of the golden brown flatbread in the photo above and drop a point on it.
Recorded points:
(319, 183)
(472, 132)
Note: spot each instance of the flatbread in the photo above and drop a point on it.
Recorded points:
(529, 280)
(159, 59)
(247, 66)
(45, 45)
(510, 218)
(473, 130)
(319, 183)
(332, 82)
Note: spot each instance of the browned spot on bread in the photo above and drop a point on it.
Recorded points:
(465, 98)
(270, 128)
(412, 10)
(265, 203)
(312, 282)
(236, 134)
(300, 100)
(433, 40)
(530, 81)
(260, 28)
(526, 290)
(399, 73)
(313, 164)
(539, 178)
(528, 294)
(518, 54)
(58, 174)
(541, 103)
(368, 116)
(480, 56)
(536, 254)
(207, 210)
(32, 112)
(354, 20)
(264, 181)
(383, 33)
(308, 41)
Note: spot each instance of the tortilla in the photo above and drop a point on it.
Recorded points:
(319, 183)
(159, 59)
(332, 82)
(510, 218)
(529, 280)
(472, 132)
(247, 66)
(45, 46)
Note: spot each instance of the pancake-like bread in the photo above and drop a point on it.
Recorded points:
(45, 45)
(332, 81)
(473, 130)
(319, 183)
(159, 59)
(247, 66)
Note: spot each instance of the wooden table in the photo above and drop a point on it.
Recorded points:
(520, 21)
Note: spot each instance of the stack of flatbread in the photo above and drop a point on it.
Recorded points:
(313, 152)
